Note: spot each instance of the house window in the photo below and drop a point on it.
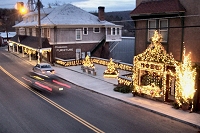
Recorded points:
(160, 25)
(78, 34)
(96, 30)
(42, 32)
(48, 33)
(27, 31)
(118, 31)
(33, 32)
(85, 31)
(22, 31)
(151, 29)
(113, 31)
(108, 31)
(163, 24)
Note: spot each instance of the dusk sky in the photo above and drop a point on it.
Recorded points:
(87, 5)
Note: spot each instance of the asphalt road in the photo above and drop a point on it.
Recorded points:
(24, 109)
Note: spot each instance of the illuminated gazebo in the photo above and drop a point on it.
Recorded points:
(152, 72)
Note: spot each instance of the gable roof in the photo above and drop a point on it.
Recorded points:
(67, 14)
(158, 7)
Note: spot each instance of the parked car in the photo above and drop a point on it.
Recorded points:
(44, 69)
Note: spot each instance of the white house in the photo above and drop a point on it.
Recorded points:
(67, 32)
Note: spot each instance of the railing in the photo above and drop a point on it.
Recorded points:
(102, 41)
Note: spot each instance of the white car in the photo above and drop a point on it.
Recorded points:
(44, 69)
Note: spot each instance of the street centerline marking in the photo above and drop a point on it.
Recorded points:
(82, 121)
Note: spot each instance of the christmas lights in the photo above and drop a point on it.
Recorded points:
(185, 82)
(150, 69)
(111, 71)
(88, 63)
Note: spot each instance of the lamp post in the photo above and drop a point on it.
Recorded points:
(39, 33)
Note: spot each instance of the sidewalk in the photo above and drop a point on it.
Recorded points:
(105, 87)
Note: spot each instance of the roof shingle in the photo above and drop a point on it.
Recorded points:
(66, 14)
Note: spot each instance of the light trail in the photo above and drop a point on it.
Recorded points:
(82, 121)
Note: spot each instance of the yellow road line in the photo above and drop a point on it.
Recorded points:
(95, 129)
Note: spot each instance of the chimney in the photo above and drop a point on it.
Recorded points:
(101, 13)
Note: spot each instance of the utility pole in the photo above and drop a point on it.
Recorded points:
(39, 33)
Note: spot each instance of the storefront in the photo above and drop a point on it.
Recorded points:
(29, 46)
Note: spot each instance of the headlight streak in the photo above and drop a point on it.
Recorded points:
(82, 121)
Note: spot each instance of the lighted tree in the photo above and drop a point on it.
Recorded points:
(111, 70)
(185, 84)
(87, 62)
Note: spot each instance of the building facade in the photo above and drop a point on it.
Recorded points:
(67, 32)
(178, 23)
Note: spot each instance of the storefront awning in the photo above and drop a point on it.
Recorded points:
(31, 42)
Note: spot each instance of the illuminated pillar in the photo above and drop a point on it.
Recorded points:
(22, 51)
(17, 49)
(13, 48)
(8, 47)
(29, 56)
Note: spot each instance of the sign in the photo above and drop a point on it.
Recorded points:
(63, 49)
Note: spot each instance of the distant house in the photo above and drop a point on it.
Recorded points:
(178, 23)
(5, 36)
(67, 32)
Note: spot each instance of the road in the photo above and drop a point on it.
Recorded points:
(24, 109)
